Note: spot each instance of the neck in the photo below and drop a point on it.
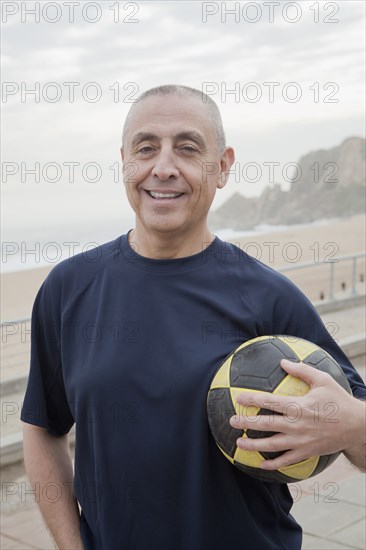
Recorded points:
(164, 246)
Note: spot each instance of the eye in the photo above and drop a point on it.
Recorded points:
(146, 149)
(188, 149)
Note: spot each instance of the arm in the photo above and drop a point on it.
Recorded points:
(47, 460)
(357, 453)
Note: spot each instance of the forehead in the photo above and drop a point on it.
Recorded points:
(167, 115)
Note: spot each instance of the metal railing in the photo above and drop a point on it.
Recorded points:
(332, 267)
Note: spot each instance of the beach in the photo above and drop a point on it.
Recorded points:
(332, 238)
(319, 244)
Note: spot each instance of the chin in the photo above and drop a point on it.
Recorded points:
(165, 229)
(165, 226)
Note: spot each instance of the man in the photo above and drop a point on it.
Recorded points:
(121, 348)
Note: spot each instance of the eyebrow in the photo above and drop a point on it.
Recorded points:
(191, 135)
(143, 136)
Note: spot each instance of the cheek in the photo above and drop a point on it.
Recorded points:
(198, 178)
(208, 187)
(133, 173)
(131, 191)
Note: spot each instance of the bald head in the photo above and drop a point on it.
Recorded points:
(213, 113)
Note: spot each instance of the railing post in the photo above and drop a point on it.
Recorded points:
(331, 282)
(354, 260)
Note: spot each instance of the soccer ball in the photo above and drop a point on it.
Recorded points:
(255, 366)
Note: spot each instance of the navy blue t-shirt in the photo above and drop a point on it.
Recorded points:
(125, 347)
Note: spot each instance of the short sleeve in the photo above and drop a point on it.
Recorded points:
(299, 317)
(45, 402)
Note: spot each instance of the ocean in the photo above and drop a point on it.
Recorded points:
(30, 245)
(39, 246)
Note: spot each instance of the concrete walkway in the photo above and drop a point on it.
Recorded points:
(330, 507)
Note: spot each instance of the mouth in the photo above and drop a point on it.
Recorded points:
(163, 196)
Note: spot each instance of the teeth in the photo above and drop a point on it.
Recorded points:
(164, 195)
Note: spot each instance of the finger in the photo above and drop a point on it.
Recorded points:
(240, 422)
(286, 459)
(268, 401)
(275, 443)
(308, 374)
(265, 423)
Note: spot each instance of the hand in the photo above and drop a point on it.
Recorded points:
(324, 421)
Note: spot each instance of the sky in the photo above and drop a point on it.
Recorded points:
(71, 69)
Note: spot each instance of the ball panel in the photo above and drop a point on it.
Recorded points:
(220, 408)
(222, 376)
(280, 343)
(291, 386)
(329, 365)
(248, 458)
(243, 410)
(256, 367)
(315, 357)
(253, 341)
(301, 470)
(271, 476)
(324, 462)
(301, 348)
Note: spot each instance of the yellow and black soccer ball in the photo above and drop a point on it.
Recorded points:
(255, 366)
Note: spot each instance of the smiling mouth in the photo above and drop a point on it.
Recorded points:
(164, 196)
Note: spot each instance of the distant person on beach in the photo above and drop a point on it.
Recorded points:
(125, 347)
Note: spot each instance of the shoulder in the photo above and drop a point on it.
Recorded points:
(77, 271)
(250, 270)
(270, 294)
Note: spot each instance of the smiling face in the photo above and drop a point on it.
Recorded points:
(172, 166)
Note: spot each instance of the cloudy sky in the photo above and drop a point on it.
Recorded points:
(297, 69)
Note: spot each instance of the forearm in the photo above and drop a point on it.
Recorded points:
(48, 464)
(357, 453)
(357, 456)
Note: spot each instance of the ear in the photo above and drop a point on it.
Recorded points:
(226, 162)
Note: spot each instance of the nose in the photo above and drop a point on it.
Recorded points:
(165, 167)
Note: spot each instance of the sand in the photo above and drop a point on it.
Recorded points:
(317, 244)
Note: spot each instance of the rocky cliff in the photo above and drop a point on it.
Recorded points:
(326, 184)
